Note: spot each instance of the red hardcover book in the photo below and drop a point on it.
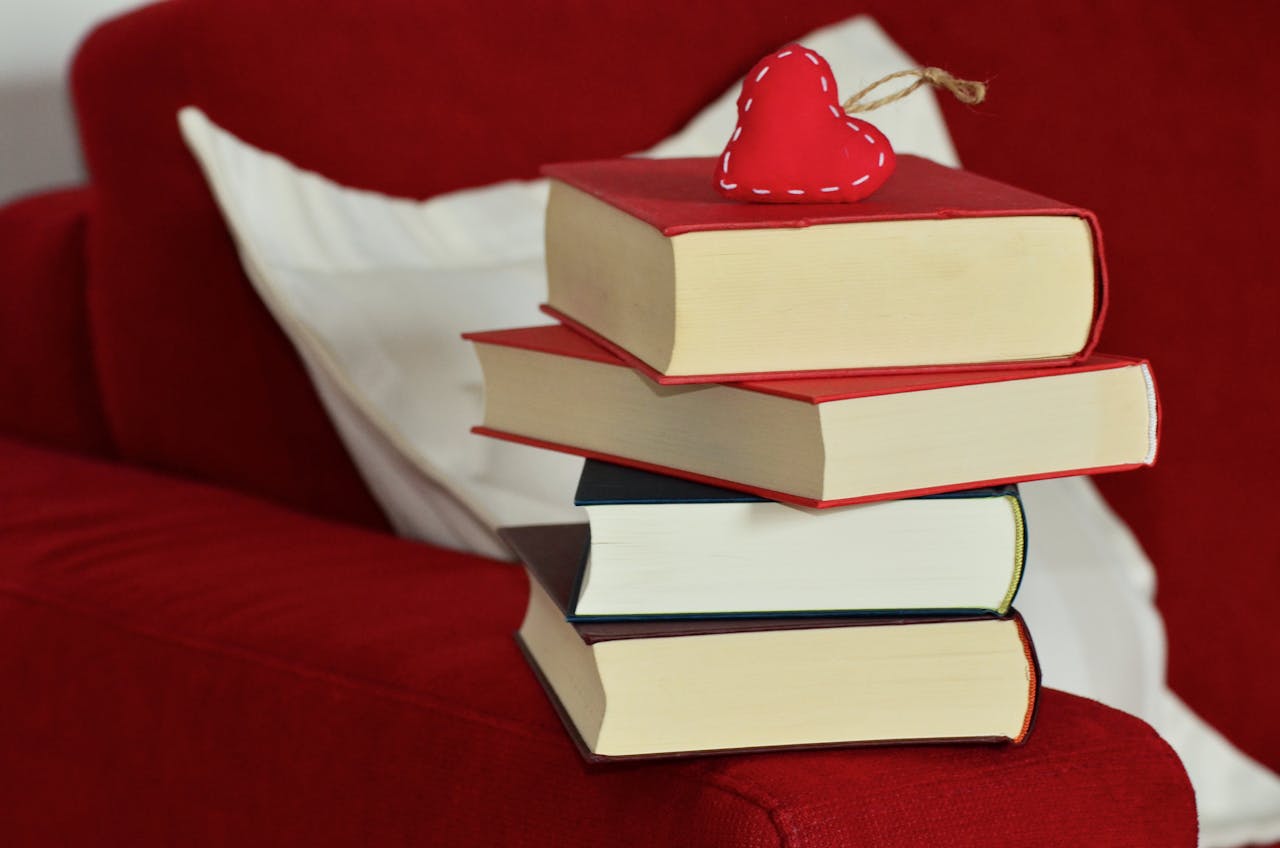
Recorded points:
(828, 441)
(941, 269)
(672, 688)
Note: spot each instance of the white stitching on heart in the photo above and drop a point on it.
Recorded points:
(737, 133)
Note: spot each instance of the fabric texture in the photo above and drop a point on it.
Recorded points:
(48, 388)
(201, 667)
(193, 374)
(194, 377)
(375, 290)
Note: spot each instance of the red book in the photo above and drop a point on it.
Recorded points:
(940, 269)
(823, 441)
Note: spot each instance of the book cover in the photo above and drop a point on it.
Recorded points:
(551, 559)
(561, 551)
(607, 483)
(553, 556)
(559, 341)
(593, 758)
(675, 197)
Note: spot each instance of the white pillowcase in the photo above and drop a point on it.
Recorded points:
(374, 292)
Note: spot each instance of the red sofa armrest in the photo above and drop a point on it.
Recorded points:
(199, 667)
(48, 391)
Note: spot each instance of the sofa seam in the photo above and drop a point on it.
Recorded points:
(86, 228)
(1170, 756)
(756, 796)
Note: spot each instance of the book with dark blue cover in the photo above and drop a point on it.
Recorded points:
(668, 547)
(604, 483)
(975, 674)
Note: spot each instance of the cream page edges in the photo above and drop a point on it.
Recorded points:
(1073, 421)
(864, 556)
(708, 692)
(865, 295)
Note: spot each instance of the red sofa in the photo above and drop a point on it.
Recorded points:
(207, 634)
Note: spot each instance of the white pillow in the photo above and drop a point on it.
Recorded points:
(374, 292)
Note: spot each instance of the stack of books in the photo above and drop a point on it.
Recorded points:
(805, 425)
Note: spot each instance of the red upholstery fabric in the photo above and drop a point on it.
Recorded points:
(48, 389)
(195, 376)
(1133, 93)
(417, 98)
(184, 665)
(147, 621)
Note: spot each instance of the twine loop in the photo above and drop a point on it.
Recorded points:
(966, 91)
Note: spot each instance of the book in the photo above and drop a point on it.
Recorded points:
(941, 268)
(663, 688)
(663, 546)
(821, 442)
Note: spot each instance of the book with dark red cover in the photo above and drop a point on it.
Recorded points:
(676, 196)
(562, 342)
(552, 556)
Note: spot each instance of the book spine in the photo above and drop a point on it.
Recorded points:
(1101, 295)
(1033, 680)
(1154, 414)
(1019, 550)
(575, 596)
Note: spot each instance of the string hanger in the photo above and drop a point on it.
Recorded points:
(966, 91)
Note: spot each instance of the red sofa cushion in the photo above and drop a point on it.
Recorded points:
(200, 667)
(48, 388)
(194, 375)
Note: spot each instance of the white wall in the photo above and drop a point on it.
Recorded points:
(38, 145)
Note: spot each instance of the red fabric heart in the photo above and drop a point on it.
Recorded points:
(794, 143)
